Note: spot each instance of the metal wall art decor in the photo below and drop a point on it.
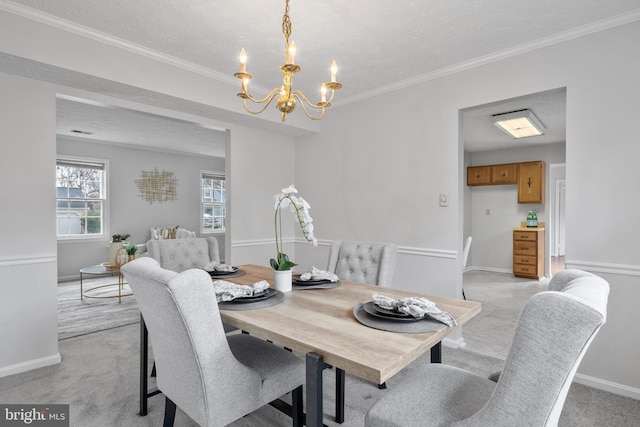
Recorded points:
(157, 186)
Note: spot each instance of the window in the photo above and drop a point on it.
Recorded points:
(214, 202)
(80, 197)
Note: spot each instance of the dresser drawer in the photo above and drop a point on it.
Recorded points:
(521, 247)
(526, 260)
(525, 235)
(527, 270)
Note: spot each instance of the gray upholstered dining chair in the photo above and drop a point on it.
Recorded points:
(181, 254)
(362, 262)
(214, 378)
(553, 333)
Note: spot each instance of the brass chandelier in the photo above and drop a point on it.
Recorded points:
(287, 97)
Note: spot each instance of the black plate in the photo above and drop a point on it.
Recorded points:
(258, 297)
(222, 273)
(296, 279)
(370, 308)
(386, 312)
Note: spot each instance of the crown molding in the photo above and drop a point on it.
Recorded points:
(110, 40)
(564, 36)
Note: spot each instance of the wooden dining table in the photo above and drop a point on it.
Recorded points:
(320, 324)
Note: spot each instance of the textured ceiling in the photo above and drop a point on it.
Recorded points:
(103, 123)
(378, 45)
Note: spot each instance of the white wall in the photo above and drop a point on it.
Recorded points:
(28, 315)
(492, 247)
(128, 212)
(261, 165)
(377, 167)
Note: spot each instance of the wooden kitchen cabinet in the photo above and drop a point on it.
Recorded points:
(504, 174)
(531, 182)
(528, 252)
(479, 175)
(492, 174)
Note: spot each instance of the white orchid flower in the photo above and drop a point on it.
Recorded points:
(305, 217)
(278, 199)
(300, 207)
(284, 203)
(306, 206)
(290, 189)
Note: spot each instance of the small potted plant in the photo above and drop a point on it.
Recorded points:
(131, 249)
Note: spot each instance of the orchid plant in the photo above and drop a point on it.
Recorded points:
(288, 199)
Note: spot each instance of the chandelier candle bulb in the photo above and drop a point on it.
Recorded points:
(243, 61)
(334, 71)
(323, 92)
(291, 51)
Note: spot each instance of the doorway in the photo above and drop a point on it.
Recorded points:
(489, 213)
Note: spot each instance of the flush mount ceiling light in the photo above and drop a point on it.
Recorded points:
(519, 124)
(287, 96)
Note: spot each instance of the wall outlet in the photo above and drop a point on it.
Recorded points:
(444, 200)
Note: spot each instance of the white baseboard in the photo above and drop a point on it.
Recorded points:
(609, 386)
(454, 343)
(29, 365)
(68, 278)
(490, 269)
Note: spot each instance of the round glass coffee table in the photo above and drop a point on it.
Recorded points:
(103, 270)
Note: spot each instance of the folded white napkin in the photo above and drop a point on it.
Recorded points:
(214, 266)
(227, 291)
(317, 274)
(414, 306)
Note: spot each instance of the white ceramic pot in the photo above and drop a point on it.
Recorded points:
(282, 280)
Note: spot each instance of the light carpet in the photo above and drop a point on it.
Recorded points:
(79, 317)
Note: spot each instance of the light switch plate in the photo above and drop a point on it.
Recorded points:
(444, 200)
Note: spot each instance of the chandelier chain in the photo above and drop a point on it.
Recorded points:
(286, 26)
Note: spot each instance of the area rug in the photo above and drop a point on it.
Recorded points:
(84, 316)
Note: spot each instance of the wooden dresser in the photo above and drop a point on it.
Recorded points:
(528, 252)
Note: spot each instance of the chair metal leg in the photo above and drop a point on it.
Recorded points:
(153, 370)
(144, 349)
(169, 412)
(340, 380)
(463, 295)
(297, 410)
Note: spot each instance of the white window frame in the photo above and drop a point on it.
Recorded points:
(105, 198)
(214, 175)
